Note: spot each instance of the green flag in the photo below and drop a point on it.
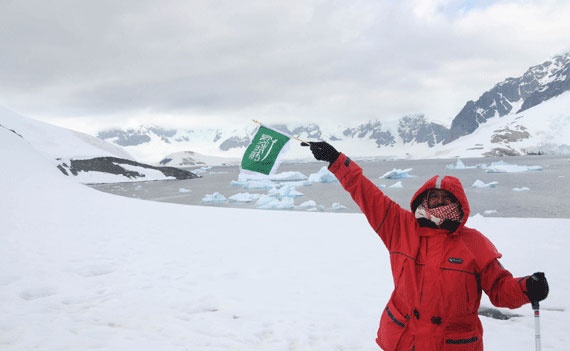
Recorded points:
(262, 154)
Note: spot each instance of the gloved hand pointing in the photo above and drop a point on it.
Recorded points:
(537, 287)
(322, 151)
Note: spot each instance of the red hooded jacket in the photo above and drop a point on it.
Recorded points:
(438, 275)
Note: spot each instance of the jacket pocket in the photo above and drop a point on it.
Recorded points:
(392, 326)
(464, 341)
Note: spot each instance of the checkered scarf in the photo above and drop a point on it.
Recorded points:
(439, 214)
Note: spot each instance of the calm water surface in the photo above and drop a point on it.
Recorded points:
(547, 197)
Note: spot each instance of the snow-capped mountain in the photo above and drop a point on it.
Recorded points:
(543, 129)
(528, 114)
(514, 95)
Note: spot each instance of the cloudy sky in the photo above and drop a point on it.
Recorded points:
(91, 64)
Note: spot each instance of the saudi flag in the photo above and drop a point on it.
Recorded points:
(262, 155)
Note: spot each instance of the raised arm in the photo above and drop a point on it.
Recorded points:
(385, 216)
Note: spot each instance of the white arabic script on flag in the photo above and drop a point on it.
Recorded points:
(263, 148)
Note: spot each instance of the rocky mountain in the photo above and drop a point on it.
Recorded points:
(514, 95)
(133, 137)
(371, 130)
(416, 128)
(542, 85)
(161, 142)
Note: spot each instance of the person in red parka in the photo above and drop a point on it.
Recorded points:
(439, 266)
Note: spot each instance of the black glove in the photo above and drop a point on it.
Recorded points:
(537, 287)
(322, 151)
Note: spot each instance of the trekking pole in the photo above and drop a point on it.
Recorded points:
(535, 308)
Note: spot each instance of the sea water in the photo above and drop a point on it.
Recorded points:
(533, 193)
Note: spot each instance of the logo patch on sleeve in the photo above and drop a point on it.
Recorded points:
(455, 260)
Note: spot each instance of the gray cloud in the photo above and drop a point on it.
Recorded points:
(294, 60)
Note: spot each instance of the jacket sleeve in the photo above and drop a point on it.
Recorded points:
(502, 288)
(383, 214)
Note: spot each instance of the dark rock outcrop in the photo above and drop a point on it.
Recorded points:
(113, 165)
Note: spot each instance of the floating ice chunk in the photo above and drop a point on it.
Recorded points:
(284, 176)
(296, 183)
(397, 174)
(489, 212)
(268, 202)
(202, 170)
(459, 165)
(289, 176)
(214, 198)
(311, 206)
(244, 197)
(337, 206)
(251, 180)
(396, 185)
(285, 191)
(308, 204)
(254, 184)
(480, 184)
(523, 188)
(322, 176)
(503, 167)
(248, 176)
(260, 184)
(184, 190)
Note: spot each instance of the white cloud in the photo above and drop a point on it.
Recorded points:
(285, 61)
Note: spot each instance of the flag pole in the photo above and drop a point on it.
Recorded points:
(292, 137)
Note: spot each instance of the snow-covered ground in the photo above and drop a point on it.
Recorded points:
(82, 270)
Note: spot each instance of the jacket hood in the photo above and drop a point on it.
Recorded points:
(448, 183)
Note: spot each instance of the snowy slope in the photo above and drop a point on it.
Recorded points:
(87, 270)
(64, 147)
(56, 142)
